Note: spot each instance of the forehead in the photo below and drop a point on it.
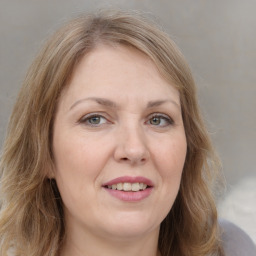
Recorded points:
(118, 71)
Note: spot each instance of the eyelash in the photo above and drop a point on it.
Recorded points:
(167, 119)
(87, 120)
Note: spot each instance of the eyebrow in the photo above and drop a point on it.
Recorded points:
(111, 104)
(100, 101)
(157, 103)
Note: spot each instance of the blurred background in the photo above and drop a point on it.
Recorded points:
(218, 40)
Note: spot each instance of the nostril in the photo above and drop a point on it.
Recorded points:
(124, 159)
(133, 160)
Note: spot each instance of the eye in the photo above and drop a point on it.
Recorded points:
(93, 120)
(160, 120)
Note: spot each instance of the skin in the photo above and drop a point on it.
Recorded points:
(126, 137)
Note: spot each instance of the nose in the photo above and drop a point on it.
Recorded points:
(132, 146)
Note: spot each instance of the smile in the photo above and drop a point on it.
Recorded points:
(131, 189)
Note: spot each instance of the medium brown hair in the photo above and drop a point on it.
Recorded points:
(31, 218)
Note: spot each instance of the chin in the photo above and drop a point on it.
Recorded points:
(127, 225)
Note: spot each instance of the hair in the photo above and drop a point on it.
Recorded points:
(31, 217)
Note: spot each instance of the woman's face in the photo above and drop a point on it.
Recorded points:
(119, 145)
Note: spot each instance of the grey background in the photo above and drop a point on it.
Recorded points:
(216, 36)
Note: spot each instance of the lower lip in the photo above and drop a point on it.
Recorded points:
(130, 196)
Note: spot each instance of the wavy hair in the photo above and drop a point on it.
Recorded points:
(31, 216)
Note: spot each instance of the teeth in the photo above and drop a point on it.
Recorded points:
(119, 186)
(126, 186)
(135, 186)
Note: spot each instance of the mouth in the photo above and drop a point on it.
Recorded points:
(129, 188)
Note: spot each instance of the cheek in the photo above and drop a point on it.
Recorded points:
(171, 156)
(77, 167)
(170, 160)
(79, 161)
(78, 155)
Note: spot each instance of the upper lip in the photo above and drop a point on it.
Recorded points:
(129, 179)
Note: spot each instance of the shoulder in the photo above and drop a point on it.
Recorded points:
(235, 241)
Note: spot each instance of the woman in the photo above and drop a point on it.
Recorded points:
(106, 152)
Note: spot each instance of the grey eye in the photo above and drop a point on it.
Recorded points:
(94, 120)
(160, 120)
(155, 120)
